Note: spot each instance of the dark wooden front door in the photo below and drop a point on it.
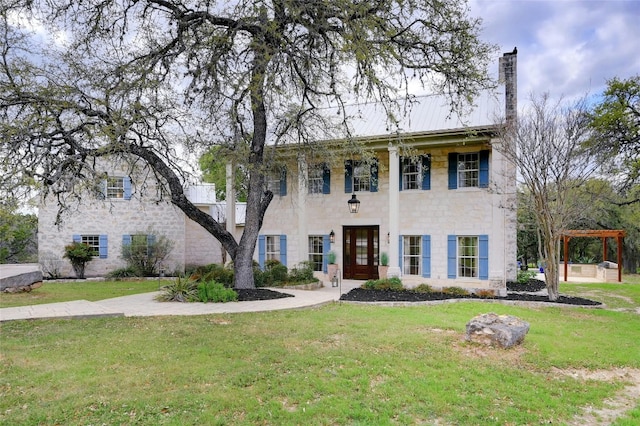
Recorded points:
(361, 245)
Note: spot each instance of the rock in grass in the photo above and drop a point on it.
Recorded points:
(493, 329)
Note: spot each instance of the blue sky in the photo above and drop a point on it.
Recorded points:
(567, 48)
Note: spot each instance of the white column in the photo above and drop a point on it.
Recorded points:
(394, 211)
(303, 241)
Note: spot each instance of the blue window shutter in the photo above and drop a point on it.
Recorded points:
(103, 189)
(77, 238)
(483, 178)
(126, 183)
(400, 254)
(451, 256)
(483, 249)
(348, 176)
(151, 239)
(400, 238)
(373, 187)
(283, 182)
(426, 256)
(126, 240)
(401, 159)
(426, 172)
(103, 249)
(453, 170)
(283, 249)
(326, 179)
(262, 250)
(325, 252)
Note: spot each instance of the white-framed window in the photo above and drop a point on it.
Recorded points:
(411, 174)
(468, 257)
(316, 251)
(411, 255)
(315, 177)
(140, 244)
(115, 188)
(276, 182)
(273, 247)
(92, 241)
(361, 177)
(468, 170)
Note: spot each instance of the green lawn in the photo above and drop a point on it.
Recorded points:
(339, 364)
(53, 292)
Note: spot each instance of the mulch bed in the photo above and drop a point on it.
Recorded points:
(515, 291)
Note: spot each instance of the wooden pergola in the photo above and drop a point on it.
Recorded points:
(604, 234)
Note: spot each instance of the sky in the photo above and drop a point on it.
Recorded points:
(568, 48)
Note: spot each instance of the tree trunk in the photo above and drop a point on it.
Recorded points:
(551, 267)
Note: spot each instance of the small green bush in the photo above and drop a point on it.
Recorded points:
(302, 273)
(219, 274)
(525, 276)
(121, 273)
(331, 257)
(79, 255)
(423, 288)
(384, 259)
(212, 291)
(180, 290)
(455, 291)
(392, 284)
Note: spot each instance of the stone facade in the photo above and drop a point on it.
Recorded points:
(111, 219)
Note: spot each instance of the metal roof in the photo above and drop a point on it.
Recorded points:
(426, 114)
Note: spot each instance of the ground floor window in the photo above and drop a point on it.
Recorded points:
(92, 241)
(316, 252)
(411, 255)
(273, 247)
(468, 257)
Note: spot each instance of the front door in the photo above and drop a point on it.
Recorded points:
(361, 245)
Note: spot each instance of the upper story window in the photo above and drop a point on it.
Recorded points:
(117, 188)
(276, 182)
(415, 173)
(360, 176)
(469, 170)
(319, 179)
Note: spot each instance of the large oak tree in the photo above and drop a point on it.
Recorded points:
(147, 80)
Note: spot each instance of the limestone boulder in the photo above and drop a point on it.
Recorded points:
(497, 330)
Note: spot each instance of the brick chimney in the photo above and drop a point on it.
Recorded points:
(508, 74)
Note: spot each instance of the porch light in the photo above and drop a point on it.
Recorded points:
(332, 237)
(354, 204)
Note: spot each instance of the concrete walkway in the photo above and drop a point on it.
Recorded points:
(144, 305)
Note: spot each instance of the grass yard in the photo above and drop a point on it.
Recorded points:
(53, 292)
(339, 364)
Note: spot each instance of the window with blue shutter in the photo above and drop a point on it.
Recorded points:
(483, 178)
(283, 182)
(126, 240)
(326, 247)
(103, 248)
(451, 256)
(426, 256)
(262, 250)
(373, 185)
(400, 252)
(283, 249)
(126, 185)
(326, 179)
(453, 170)
(348, 176)
(483, 249)
(77, 238)
(426, 172)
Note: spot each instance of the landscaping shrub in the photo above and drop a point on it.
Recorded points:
(180, 290)
(393, 284)
(455, 291)
(79, 255)
(218, 273)
(212, 291)
(147, 255)
(423, 288)
(525, 276)
(120, 273)
(302, 273)
(486, 294)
